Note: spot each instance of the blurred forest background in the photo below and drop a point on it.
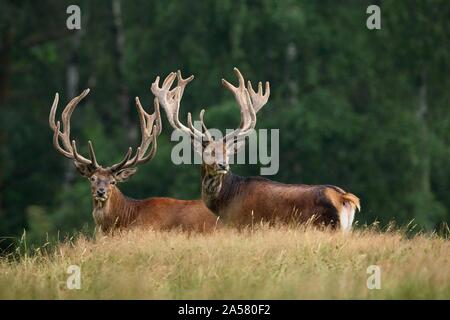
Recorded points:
(367, 110)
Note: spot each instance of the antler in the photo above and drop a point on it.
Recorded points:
(170, 101)
(149, 133)
(68, 148)
(250, 102)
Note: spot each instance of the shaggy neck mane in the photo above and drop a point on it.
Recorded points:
(115, 212)
(219, 190)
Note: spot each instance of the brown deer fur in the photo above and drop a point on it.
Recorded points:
(247, 200)
(121, 212)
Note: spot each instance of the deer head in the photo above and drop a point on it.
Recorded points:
(215, 152)
(103, 180)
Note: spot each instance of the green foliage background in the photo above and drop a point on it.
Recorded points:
(367, 110)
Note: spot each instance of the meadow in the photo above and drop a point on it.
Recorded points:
(256, 263)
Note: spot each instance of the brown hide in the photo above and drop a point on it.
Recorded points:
(246, 201)
(120, 212)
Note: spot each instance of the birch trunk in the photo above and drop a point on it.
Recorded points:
(123, 96)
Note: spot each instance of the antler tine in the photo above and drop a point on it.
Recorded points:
(51, 118)
(239, 94)
(92, 154)
(166, 99)
(181, 83)
(149, 134)
(67, 149)
(248, 114)
(149, 130)
(67, 112)
(76, 155)
(175, 116)
(67, 154)
(258, 98)
(239, 134)
(170, 101)
(121, 164)
(142, 159)
(207, 133)
(191, 125)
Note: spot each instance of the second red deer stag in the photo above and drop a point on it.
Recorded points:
(113, 210)
(245, 200)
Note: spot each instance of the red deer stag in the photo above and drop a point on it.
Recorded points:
(111, 209)
(244, 200)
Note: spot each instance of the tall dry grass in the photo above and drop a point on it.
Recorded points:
(258, 263)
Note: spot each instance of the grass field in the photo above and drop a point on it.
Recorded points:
(263, 263)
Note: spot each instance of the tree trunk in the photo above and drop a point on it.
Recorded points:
(5, 65)
(72, 88)
(290, 79)
(123, 96)
(422, 111)
(5, 77)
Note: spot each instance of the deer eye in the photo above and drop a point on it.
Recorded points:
(93, 178)
(113, 182)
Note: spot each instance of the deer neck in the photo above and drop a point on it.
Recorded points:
(114, 212)
(218, 190)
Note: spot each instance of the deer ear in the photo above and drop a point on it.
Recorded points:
(124, 174)
(84, 169)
